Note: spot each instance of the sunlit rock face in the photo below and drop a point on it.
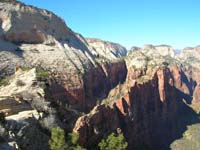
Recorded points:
(164, 50)
(35, 37)
(157, 91)
(93, 87)
(12, 95)
(38, 25)
(106, 49)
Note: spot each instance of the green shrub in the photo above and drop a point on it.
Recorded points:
(57, 141)
(42, 74)
(25, 68)
(73, 142)
(4, 81)
(113, 142)
(73, 138)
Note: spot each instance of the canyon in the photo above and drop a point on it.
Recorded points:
(51, 76)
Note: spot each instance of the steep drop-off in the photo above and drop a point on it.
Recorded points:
(51, 76)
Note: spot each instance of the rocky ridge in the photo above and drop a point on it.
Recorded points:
(156, 87)
(85, 86)
(69, 58)
(106, 49)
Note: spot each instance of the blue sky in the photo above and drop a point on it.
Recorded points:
(131, 22)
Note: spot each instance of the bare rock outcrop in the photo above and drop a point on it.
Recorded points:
(95, 125)
(163, 50)
(106, 49)
(95, 85)
(39, 26)
(196, 96)
(151, 97)
(155, 98)
(14, 96)
(140, 95)
(44, 41)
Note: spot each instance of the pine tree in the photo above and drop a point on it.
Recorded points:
(57, 141)
(113, 142)
(73, 142)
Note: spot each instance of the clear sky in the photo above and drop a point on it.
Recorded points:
(131, 22)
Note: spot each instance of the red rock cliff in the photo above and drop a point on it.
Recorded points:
(83, 91)
(146, 112)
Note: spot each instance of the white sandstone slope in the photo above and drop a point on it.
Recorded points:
(150, 56)
(37, 37)
(20, 82)
(106, 49)
(191, 56)
(27, 24)
(163, 50)
(33, 37)
(21, 87)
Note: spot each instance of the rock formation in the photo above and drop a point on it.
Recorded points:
(51, 76)
(14, 95)
(163, 50)
(154, 94)
(106, 49)
(44, 35)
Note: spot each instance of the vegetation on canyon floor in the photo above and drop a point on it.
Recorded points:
(58, 142)
(112, 142)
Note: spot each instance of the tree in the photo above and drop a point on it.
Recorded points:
(73, 142)
(113, 142)
(57, 141)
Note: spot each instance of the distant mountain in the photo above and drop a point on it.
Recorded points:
(106, 49)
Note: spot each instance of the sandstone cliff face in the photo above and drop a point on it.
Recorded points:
(196, 96)
(145, 106)
(41, 26)
(190, 59)
(164, 50)
(22, 100)
(140, 96)
(14, 96)
(151, 57)
(190, 56)
(92, 126)
(46, 42)
(106, 49)
(94, 85)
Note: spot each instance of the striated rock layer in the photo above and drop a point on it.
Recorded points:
(146, 114)
(86, 86)
(106, 49)
(33, 37)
